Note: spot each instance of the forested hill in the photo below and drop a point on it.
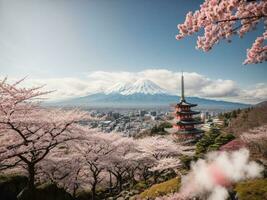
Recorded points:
(240, 121)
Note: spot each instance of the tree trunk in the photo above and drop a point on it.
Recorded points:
(29, 191)
(120, 183)
(110, 183)
(31, 178)
(93, 190)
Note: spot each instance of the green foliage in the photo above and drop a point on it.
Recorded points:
(162, 189)
(156, 130)
(186, 160)
(207, 140)
(223, 139)
(252, 190)
(212, 141)
(160, 128)
(142, 185)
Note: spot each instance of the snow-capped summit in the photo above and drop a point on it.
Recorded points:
(141, 86)
(118, 88)
(144, 87)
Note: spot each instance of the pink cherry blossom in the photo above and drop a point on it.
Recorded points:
(222, 19)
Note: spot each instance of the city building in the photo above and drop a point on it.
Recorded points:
(183, 123)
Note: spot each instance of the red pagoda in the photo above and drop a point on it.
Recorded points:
(183, 123)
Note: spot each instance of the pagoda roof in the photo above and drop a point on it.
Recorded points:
(192, 131)
(188, 122)
(188, 112)
(185, 121)
(183, 103)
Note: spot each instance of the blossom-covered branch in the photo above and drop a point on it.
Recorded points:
(221, 19)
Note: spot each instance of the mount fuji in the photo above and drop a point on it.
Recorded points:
(142, 93)
(142, 86)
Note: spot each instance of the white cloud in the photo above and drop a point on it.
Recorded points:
(256, 93)
(195, 85)
(220, 88)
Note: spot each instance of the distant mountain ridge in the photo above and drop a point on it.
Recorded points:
(142, 93)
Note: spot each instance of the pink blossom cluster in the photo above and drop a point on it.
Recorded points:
(221, 19)
(101, 158)
(233, 145)
(258, 52)
(256, 136)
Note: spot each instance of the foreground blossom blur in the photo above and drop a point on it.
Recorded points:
(211, 178)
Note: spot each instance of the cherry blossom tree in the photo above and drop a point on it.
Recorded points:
(221, 19)
(233, 145)
(96, 151)
(50, 144)
(256, 139)
(163, 153)
(62, 167)
(28, 132)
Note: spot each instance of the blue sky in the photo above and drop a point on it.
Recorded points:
(46, 39)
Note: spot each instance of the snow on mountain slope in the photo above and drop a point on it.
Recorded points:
(118, 88)
(139, 87)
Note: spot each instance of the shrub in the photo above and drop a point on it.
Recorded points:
(186, 161)
(140, 186)
(208, 139)
(160, 129)
(212, 141)
(162, 189)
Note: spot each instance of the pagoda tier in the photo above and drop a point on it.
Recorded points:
(188, 112)
(188, 121)
(185, 104)
(183, 123)
(185, 131)
(191, 122)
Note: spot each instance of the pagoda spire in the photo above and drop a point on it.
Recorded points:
(182, 90)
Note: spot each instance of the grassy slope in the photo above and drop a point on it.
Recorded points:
(248, 190)
(252, 189)
(161, 189)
